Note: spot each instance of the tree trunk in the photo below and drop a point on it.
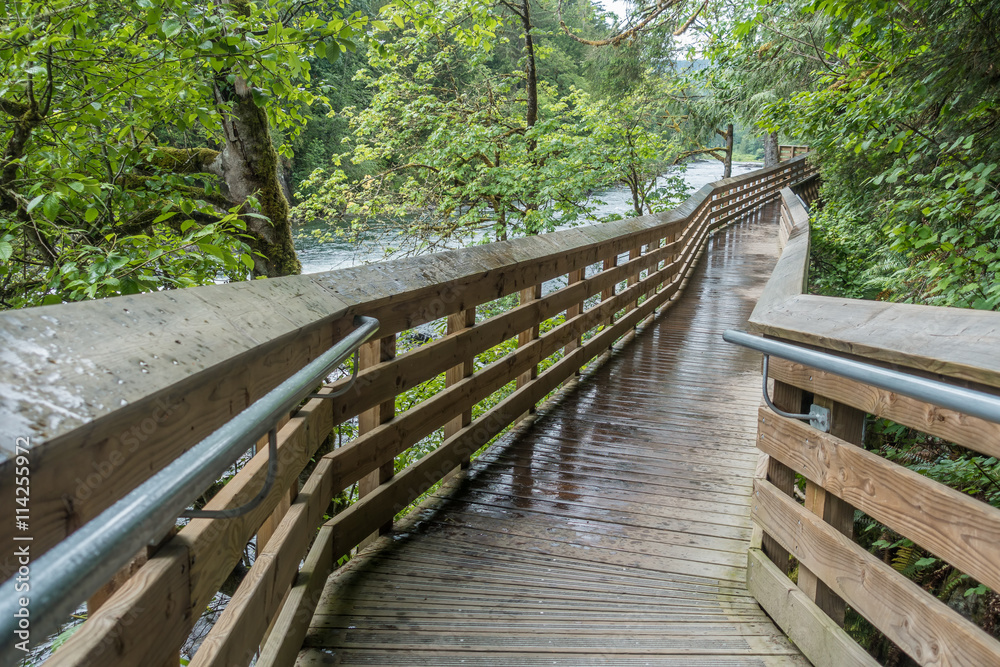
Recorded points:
(634, 183)
(770, 149)
(250, 167)
(531, 84)
(727, 171)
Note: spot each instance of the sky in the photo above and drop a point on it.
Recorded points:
(620, 8)
(616, 6)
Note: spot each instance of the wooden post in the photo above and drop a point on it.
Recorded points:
(788, 398)
(463, 319)
(727, 170)
(634, 253)
(848, 424)
(104, 593)
(609, 292)
(573, 311)
(270, 524)
(671, 258)
(525, 337)
(371, 354)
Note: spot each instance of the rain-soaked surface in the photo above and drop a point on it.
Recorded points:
(613, 531)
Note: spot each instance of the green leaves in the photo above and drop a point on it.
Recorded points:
(443, 150)
(171, 28)
(93, 218)
(901, 117)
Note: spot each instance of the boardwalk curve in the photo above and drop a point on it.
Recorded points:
(612, 530)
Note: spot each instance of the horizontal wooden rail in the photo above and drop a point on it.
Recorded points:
(789, 151)
(144, 377)
(841, 476)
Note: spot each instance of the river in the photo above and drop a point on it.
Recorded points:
(319, 256)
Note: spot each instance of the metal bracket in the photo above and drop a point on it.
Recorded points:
(272, 474)
(347, 387)
(272, 465)
(818, 417)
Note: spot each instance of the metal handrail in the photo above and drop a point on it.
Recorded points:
(75, 569)
(967, 401)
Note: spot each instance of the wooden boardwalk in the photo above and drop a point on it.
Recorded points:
(612, 531)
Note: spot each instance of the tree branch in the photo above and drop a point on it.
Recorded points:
(714, 152)
(661, 6)
(687, 24)
(186, 160)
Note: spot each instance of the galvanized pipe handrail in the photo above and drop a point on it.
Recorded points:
(967, 401)
(70, 573)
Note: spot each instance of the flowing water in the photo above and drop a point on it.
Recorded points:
(328, 255)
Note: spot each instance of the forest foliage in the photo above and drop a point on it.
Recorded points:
(157, 144)
(900, 103)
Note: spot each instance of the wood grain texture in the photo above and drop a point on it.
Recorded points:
(192, 566)
(371, 354)
(790, 399)
(952, 525)
(924, 627)
(953, 342)
(848, 424)
(234, 638)
(611, 528)
(971, 432)
(820, 639)
(572, 311)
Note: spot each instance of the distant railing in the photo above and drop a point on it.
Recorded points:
(788, 151)
(953, 346)
(110, 392)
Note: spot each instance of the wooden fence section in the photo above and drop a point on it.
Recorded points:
(953, 345)
(110, 391)
(613, 530)
(789, 151)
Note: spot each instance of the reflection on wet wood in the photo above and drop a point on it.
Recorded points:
(612, 530)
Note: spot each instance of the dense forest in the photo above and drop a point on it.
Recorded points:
(153, 145)
(160, 144)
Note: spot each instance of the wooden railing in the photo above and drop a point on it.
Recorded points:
(108, 392)
(789, 151)
(955, 345)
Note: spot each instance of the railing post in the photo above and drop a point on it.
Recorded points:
(463, 319)
(669, 259)
(848, 424)
(574, 310)
(634, 253)
(789, 398)
(609, 291)
(270, 524)
(532, 293)
(371, 354)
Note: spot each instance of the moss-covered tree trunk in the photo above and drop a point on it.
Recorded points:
(250, 167)
(727, 162)
(770, 149)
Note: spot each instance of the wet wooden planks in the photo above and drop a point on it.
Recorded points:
(613, 531)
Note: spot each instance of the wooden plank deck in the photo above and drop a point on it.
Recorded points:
(612, 531)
